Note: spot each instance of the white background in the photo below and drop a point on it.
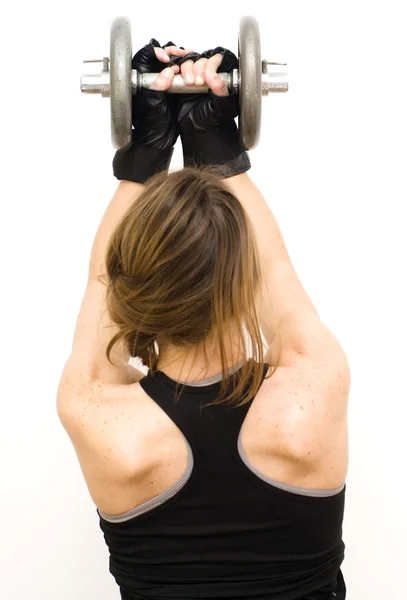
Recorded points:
(332, 164)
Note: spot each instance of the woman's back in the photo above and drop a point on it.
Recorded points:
(205, 500)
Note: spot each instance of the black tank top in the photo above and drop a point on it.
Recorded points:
(224, 531)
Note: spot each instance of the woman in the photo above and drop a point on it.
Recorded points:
(221, 473)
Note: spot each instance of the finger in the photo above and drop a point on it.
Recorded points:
(199, 71)
(164, 79)
(187, 72)
(214, 62)
(212, 79)
(162, 55)
(175, 51)
(215, 83)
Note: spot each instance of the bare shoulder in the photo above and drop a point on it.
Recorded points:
(101, 418)
(309, 398)
(303, 405)
(310, 360)
(120, 436)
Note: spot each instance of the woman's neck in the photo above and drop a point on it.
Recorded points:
(193, 364)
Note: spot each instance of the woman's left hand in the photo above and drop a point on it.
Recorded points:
(153, 120)
(155, 126)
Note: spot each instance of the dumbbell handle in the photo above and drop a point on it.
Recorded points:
(272, 81)
(178, 86)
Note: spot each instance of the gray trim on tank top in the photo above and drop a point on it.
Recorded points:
(210, 380)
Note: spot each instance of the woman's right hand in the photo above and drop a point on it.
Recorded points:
(207, 125)
(204, 112)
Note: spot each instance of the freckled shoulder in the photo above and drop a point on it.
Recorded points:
(296, 427)
(120, 436)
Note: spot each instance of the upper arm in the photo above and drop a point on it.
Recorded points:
(88, 362)
(301, 333)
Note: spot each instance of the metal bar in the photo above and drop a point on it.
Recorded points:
(98, 83)
(273, 81)
(178, 85)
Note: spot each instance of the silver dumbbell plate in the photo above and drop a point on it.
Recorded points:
(121, 89)
(250, 85)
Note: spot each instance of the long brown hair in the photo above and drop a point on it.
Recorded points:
(183, 264)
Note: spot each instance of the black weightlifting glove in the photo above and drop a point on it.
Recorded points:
(155, 131)
(209, 133)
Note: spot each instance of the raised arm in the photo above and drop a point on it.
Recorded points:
(150, 151)
(289, 320)
(283, 296)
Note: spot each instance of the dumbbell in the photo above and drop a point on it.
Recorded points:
(253, 79)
